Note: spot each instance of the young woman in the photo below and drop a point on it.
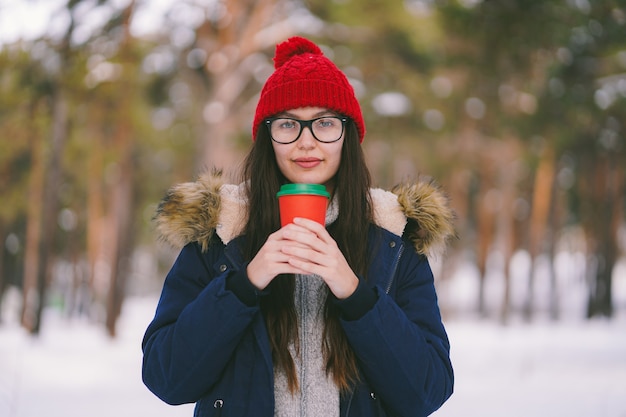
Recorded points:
(256, 320)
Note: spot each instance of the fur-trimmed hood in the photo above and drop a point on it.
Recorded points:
(194, 211)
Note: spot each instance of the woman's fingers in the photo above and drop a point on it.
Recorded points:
(316, 252)
(272, 260)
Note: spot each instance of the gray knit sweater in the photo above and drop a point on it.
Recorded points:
(318, 395)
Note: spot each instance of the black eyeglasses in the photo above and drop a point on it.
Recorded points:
(325, 129)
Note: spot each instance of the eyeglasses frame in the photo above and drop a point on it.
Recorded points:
(303, 124)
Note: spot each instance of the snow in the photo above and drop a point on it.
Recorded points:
(74, 369)
(573, 368)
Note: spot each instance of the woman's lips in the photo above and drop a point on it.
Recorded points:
(307, 162)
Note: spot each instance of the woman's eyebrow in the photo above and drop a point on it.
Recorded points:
(316, 115)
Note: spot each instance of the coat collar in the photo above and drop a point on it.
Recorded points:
(194, 211)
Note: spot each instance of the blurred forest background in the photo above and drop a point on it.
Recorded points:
(516, 107)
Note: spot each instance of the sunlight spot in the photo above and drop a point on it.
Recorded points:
(441, 87)
(434, 119)
(475, 108)
(391, 104)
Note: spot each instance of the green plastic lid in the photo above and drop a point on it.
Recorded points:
(314, 189)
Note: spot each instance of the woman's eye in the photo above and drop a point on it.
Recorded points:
(325, 123)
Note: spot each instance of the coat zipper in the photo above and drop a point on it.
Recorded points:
(393, 270)
(349, 404)
(387, 289)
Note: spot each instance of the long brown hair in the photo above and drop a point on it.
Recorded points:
(351, 191)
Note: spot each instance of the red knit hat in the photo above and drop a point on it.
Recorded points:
(304, 77)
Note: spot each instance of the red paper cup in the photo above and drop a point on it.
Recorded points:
(302, 200)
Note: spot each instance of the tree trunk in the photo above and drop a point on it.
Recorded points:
(43, 208)
(486, 215)
(603, 227)
(120, 214)
(120, 210)
(509, 154)
(50, 204)
(3, 281)
(554, 224)
(33, 229)
(542, 198)
(96, 242)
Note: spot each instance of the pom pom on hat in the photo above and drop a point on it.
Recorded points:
(292, 47)
(304, 77)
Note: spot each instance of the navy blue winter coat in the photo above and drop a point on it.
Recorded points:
(206, 346)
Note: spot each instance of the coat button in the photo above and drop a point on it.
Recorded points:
(223, 268)
(392, 244)
(373, 395)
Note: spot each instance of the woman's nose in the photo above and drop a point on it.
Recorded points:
(306, 140)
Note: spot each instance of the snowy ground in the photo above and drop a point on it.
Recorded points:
(75, 370)
(574, 369)
(566, 369)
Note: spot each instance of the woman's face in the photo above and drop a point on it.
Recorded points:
(308, 160)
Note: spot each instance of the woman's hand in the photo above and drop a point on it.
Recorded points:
(303, 247)
(309, 248)
(271, 261)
